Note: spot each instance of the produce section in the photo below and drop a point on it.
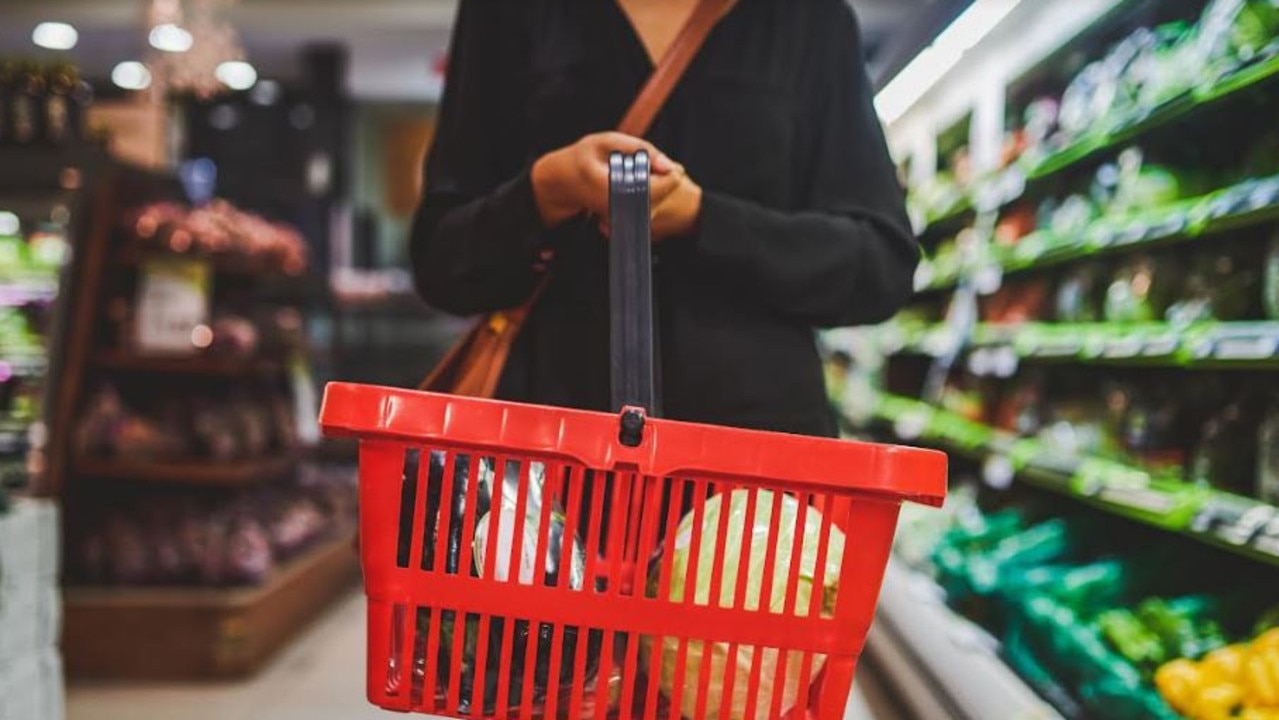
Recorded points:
(1094, 339)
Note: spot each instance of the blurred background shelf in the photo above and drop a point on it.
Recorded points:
(193, 472)
(196, 634)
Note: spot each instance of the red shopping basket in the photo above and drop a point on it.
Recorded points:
(565, 597)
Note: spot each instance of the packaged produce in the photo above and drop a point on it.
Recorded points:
(1016, 303)
(1021, 411)
(1227, 454)
(1080, 295)
(499, 496)
(1141, 290)
(1235, 32)
(1151, 431)
(1270, 290)
(820, 583)
(1268, 454)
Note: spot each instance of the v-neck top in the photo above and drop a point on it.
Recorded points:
(802, 226)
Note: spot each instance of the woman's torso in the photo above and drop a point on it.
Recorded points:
(738, 123)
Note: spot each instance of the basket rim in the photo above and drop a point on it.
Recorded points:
(669, 448)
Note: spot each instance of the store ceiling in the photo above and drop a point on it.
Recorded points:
(394, 43)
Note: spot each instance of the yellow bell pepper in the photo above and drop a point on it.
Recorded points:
(1261, 677)
(1217, 702)
(1179, 683)
(1266, 640)
(1224, 665)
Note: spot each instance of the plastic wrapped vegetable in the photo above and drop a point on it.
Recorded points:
(812, 580)
(497, 502)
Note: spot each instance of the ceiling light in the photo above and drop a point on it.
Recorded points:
(266, 92)
(171, 38)
(55, 36)
(237, 75)
(939, 58)
(131, 75)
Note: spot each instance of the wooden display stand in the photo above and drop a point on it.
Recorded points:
(169, 633)
(199, 634)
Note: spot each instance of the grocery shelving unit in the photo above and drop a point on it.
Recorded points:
(188, 634)
(980, 245)
(166, 633)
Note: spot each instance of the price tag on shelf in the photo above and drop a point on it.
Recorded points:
(1123, 348)
(1143, 499)
(306, 405)
(1161, 345)
(1176, 222)
(1262, 347)
(1235, 521)
(1265, 194)
(172, 304)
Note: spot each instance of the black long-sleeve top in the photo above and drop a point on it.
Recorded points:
(802, 224)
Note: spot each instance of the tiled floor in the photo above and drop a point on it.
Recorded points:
(318, 678)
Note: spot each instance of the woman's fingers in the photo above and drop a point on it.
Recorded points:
(662, 186)
(611, 142)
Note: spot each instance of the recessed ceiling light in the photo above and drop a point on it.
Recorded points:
(266, 92)
(170, 38)
(55, 36)
(131, 75)
(237, 75)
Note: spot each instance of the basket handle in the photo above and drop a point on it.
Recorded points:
(630, 283)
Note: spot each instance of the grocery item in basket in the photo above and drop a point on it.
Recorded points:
(497, 505)
(812, 579)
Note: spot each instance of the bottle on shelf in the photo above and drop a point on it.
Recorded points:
(61, 106)
(26, 103)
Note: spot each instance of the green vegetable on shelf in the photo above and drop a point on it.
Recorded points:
(1184, 626)
(1132, 638)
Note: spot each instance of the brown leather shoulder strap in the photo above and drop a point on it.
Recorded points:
(643, 111)
(639, 118)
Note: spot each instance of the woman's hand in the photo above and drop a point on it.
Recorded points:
(574, 180)
(678, 213)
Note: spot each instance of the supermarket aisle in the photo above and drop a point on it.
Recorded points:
(318, 678)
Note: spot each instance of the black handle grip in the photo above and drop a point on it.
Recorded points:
(631, 282)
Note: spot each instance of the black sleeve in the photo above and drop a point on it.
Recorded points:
(847, 256)
(475, 235)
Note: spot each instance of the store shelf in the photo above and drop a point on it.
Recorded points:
(1172, 111)
(199, 365)
(950, 222)
(200, 634)
(1247, 204)
(1211, 345)
(1243, 526)
(942, 664)
(194, 472)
